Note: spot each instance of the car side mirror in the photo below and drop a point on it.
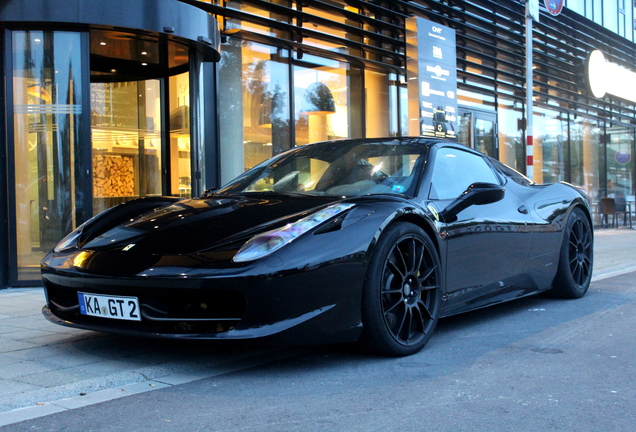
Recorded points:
(475, 194)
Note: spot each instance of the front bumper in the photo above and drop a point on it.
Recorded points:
(321, 305)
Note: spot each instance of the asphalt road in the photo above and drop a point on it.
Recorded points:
(535, 364)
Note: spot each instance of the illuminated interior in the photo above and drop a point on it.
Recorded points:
(128, 73)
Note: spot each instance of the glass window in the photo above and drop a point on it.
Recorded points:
(344, 169)
(598, 11)
(126, 137)
(610, 15)
(394, 105)
(254, 105)
(621, 24)
(327, 96)
(620, 164)
(586, 155)
(577, 6)
(550, 145)
(330, 17)
(259, 11)
(378, 100)
(464, 129)
(180, 161)
(477, 100)
(454, 170)
(511, 144)
(128, 78)
(404, 110)
(629, 21)
(47, 103)
(485, 140)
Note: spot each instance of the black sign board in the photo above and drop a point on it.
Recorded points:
(437, 77)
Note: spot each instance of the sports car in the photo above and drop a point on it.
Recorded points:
(369, 240)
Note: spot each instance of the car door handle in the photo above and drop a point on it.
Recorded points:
(523, 209)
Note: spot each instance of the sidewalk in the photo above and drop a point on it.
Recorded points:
(614, 252)
(45, 368)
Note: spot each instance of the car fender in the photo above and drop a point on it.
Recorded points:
(392, 211)
(550, 207)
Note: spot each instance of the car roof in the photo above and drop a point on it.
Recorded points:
(408, 140)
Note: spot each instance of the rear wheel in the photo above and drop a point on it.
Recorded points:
(400, 305)
(575, 263)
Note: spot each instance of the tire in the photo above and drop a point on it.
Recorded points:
(401, 298)
(576, 260)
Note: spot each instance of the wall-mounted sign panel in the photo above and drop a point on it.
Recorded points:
(532, 9)
(605, 77)
(432, 79)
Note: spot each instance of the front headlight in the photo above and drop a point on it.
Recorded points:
(270, 241)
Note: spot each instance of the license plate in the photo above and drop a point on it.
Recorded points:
(106, 306)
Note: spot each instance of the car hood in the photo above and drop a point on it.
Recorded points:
(195, 225)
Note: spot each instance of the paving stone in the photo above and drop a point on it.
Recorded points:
(8, 345)
(11, 387)
(26, 335)
(47, 338)
(55, 378)
(19, 369)
(6, 329)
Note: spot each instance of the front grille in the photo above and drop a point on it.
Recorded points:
(164, 310)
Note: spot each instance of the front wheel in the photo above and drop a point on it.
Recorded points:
(575, 263)
(400, 304)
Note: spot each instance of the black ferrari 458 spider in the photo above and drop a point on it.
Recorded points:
(369, 239)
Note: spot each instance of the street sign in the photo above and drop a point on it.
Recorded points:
(554, 6)
(623, 157)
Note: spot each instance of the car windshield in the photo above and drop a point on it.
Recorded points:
(346, 168)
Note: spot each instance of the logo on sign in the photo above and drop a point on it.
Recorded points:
(554, 6)
(623, 157)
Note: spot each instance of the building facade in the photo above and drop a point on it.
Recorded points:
(103, 102)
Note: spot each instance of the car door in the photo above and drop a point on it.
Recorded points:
(486, 243)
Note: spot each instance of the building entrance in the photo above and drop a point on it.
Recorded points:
(133, 139)
(88, 135)
(478, 130)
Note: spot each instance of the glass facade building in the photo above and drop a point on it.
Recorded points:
(97, 111)
(121, 101)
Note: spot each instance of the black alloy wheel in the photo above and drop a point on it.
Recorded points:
(402, 292)
(576, 261)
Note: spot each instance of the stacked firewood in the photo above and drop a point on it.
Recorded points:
(113, 176)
